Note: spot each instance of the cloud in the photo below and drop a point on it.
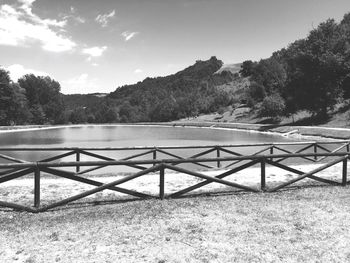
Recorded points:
(104, 19)
(20, 27)
(79, 19)
(25, 10)
(27, 2)
(94, 51)
(73, 16)
(80, 84)
(138, 71)
(17, 71)
(128, 35)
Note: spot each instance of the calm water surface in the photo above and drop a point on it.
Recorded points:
(123, 136)
(127, 136)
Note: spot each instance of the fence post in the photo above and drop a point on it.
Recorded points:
(77, 158)
(161, 183)
(271, 152)
(37, 187)
(315, 151)
(348, 147)
(263, 174)
(154, 155)
(218, 156)
(345, 172)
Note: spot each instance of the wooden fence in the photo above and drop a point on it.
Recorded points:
(228, 159)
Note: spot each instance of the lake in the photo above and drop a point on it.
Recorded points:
(127, 136)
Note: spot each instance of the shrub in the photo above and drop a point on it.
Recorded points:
(272, 106)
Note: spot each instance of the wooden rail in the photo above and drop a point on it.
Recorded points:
(227, 159)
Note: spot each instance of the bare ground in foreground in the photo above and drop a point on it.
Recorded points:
(309, 224)
(305, 225)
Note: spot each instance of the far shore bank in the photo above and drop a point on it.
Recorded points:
(297, 132)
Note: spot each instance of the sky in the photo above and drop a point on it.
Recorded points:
(93, 46)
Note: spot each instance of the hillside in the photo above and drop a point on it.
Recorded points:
(195, 90)
(74, 101)
(233, 68)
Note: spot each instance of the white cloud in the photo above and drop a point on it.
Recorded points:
(104, 19)
(73, 16)
(79, 19)
(94, 51)
(17, 71)
(27, 2)
(20, 27)
(80, 84)
(138, 71)
(129, 35)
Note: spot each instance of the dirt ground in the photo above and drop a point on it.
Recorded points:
(307, 224)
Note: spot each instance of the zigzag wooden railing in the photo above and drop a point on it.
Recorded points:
(226, 158)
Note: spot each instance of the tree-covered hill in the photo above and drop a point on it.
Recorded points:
(74, 101)
(187, 93)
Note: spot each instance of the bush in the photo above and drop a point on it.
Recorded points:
(253, 94)
(221, 110)
(272, 106)
(257, 91)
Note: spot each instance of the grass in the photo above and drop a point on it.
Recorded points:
(304, 225)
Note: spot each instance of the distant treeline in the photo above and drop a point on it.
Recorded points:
(311, 74)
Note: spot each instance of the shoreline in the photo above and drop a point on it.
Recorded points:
(292, 132)
(297, 132)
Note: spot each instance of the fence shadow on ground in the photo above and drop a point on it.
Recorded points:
(226, 160)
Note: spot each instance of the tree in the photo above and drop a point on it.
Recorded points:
(255, 92)
(78, 115)
(316, 70)
(6, 104)
(127, 112)
(271, 74)
(44, 98)
(13, 102)
(247, 68)
(164, 111)
(4, 77)
(272, 106)
(38, 114)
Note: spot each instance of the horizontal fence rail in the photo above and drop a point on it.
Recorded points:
(226, 160)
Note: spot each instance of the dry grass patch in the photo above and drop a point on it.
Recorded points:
(309, 224)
